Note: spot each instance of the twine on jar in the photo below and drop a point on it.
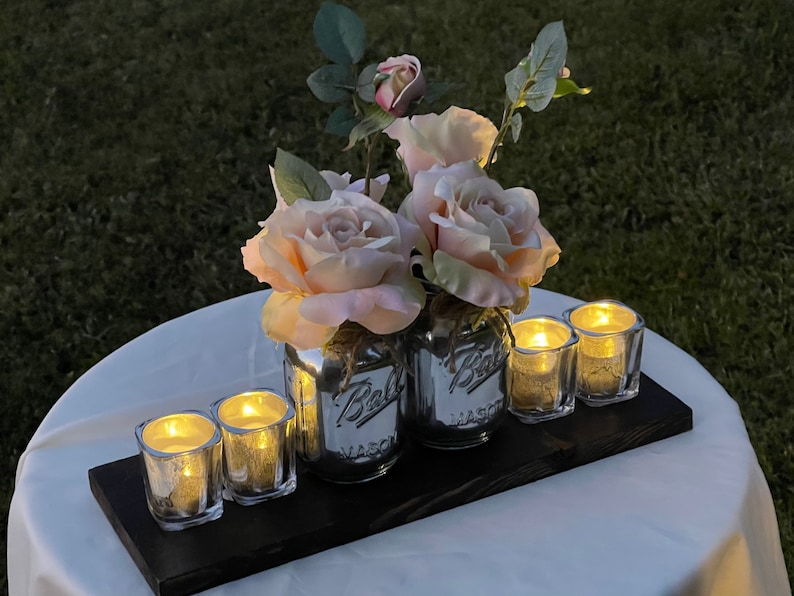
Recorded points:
(348, 341)
(461, 313)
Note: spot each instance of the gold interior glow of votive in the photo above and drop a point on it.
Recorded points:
(253, 440)
(177, 433)
(601, 362)
(181, 455)
(533, 372)
(252, 410)
(603, 317)
(540, 334)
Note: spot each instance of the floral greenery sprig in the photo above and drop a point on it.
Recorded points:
(333, 255)
(341, 36)
(537, 79)
(366, 98)
(363, 94)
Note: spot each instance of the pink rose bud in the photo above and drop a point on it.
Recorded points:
(399, 83)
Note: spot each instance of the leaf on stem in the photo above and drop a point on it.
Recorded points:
(340, 34)
(365, 86)
(515, 126)
(296, 179)
(514, 83)
(437, 89)
(567, 86)
(332, 83)
(540, 94)
(341, 121)
(548, 52)
(375, 119)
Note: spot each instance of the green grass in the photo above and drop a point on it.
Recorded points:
(136, 138)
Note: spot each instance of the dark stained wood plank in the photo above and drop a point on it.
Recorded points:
(319, 515)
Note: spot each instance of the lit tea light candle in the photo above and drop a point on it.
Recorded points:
(182, 469)
(610, 346)
(258, 445)
(539, 369)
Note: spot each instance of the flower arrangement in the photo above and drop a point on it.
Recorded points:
(334, 255)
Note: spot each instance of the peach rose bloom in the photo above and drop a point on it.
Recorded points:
(344, 259)
(454, 136)
(483, 243)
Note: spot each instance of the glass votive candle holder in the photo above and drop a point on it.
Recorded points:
(258, 429)
(540, 369)
(609, 353)
(182, 469)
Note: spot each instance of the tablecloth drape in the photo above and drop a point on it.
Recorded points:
(691, 514)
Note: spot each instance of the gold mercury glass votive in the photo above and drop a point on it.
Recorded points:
(540, 369)
(258, 429)
(610, 350)
(182, 471)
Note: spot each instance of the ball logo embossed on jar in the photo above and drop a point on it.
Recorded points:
(348, 409)
(362, 403)
(475, 364)
(456, 395)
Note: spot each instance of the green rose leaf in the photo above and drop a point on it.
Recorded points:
(341, 121)
(548, 52)
(567, 86)
(365, 85)
(437, 89)
(340, 34)
(332, 83)
(524, 62)
(514, 82)
(540, 94)
(296, 179)
(515, 126)
(375, 120)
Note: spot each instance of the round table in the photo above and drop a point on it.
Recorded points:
(691, 514)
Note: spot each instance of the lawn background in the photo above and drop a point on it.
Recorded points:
(136, 136)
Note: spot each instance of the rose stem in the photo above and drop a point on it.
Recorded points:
(372, 141)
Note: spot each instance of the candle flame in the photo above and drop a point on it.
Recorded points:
(539, 340)
(249, 410)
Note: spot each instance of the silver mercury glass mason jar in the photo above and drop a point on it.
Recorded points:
(347, 407)
(457, 394)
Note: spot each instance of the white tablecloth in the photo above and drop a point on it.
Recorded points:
(691, 514)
